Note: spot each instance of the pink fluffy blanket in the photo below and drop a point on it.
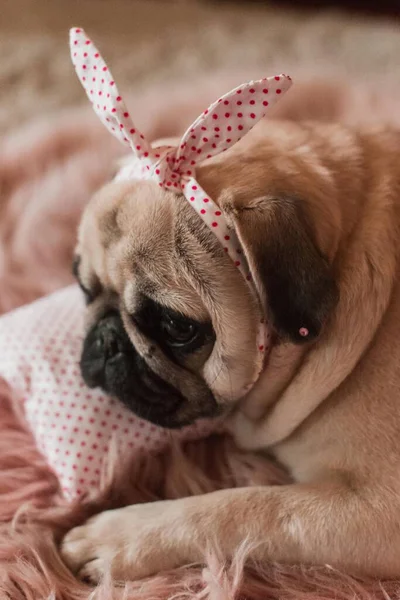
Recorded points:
(48, 171)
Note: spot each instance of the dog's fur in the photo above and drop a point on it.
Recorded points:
(316, 208)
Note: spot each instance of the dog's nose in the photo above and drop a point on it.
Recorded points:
(106, 341)
(107, 344)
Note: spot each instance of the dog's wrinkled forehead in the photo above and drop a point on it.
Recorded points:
(129, 210)
(143, 241)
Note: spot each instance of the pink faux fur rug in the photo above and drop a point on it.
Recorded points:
(47, 173)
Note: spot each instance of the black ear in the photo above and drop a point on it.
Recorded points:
(292, 276)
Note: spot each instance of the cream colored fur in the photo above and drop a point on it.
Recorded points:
(328, 411)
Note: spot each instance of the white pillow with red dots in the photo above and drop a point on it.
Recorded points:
(74, 426)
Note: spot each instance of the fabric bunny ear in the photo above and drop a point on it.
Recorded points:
(103, 93)
(228, 119)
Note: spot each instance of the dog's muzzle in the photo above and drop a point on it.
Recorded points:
(110, 361)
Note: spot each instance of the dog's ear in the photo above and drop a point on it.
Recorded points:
(293, 278)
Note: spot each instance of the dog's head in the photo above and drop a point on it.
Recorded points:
(171, 323)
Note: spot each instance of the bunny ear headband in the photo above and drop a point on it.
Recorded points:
(218, 128)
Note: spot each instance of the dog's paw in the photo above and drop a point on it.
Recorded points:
(129, 543)
(97, 547)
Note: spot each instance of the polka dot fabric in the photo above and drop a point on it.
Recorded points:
(223, 124)
(104, 95)
(218, 128)
(228, 119)
(74, 426)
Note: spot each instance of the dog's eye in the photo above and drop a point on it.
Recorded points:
(178, 333)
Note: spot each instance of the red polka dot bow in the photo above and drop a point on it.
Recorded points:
(218, 128)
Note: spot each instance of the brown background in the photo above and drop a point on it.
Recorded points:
(389, 7)
(163, 41)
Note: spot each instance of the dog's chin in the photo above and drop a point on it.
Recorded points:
(110, 362)
(175, 413)
(175, 418)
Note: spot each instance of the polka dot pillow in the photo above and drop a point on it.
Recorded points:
(73, 426)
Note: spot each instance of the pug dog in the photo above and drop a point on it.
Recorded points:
(171, 330)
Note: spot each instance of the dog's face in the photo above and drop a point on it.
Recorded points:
(171, 324)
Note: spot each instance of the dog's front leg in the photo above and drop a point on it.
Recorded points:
(321, 523)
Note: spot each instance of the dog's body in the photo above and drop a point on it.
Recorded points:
(317, 209)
